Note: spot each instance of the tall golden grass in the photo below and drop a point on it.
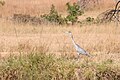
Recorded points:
(100, 40)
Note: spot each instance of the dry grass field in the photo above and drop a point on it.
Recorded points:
(101, 40)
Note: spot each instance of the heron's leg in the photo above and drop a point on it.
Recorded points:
(78, 57)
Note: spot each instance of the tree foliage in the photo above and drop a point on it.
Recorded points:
(53, 16)
(73, 12)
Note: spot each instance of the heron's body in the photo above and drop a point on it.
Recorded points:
(80, 50)
(77, 47)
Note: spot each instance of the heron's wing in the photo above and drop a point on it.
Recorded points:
(81, 50)
(80, 47)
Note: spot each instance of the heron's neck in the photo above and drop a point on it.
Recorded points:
(73, 40)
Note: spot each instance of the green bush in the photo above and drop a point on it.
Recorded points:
(89, 19)
(74, 9)
(53, 16)
(73, 12)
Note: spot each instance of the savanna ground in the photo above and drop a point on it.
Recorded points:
(58, 61)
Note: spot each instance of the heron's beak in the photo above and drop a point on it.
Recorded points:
(65, 32)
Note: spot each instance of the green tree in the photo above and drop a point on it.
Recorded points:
(54, 16)
(73, 12)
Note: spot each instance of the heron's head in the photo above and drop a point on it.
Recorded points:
(68, 32)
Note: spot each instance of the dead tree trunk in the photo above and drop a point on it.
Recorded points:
(116, 10)
(111, 15)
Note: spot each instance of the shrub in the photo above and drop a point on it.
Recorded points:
(74, 9)
(73, 12)
(89, 19)
(53, 16)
